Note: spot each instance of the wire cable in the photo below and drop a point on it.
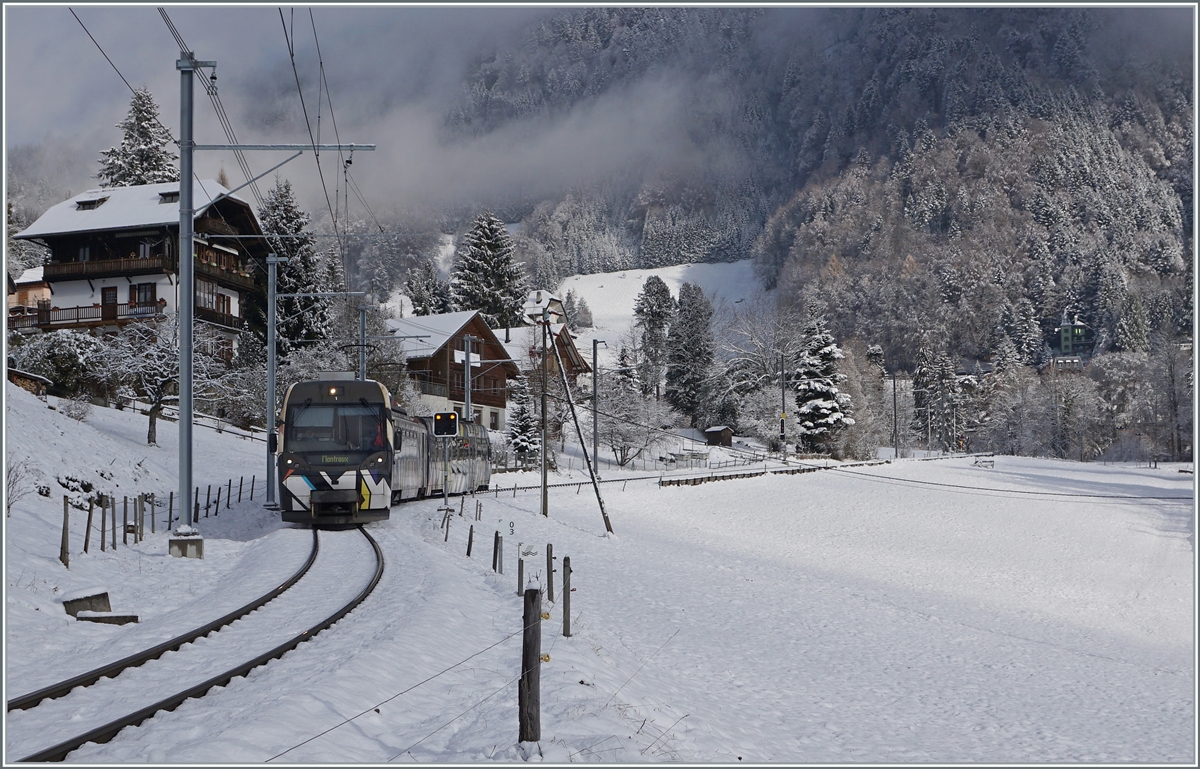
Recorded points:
(1007, 491)
(102, 53)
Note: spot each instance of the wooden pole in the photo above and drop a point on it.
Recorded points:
(520, 571)
(63, 555)
(125, 524)
(447, 539)
(495, 549)
(217, 509)
(103, 516)
(207, 500)
(228, 494)
(470, 539)
(170, 509)
(529, 687)
(114, 522)
(87, 534)
(550, 572)
(252, 488)
(153, 510)
(567, 596)
(500, 555)
(241, 479)
(197, 516)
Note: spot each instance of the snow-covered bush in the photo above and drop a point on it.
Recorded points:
(78, 408)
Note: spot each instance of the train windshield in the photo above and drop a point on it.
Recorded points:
(335, 427)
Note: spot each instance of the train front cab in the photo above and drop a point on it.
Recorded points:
(336, 459)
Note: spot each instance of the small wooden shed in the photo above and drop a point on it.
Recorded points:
(31, 382)
(719, 435)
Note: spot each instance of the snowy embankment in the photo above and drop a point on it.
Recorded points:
(910, 612)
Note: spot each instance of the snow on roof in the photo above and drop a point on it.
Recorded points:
(32, 275)
(142, 205)
(716, 428)
(434, 331)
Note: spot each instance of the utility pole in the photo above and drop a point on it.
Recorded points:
(187, 66)
(467, 344)
(362, 342)
(272, 260)
(545, 490)
(782, 410)
(895, 419)
(596, 404)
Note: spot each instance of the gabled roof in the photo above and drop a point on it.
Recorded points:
(519, 348)
(143, 205)
(434, 330)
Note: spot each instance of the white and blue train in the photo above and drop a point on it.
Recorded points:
(347, 453)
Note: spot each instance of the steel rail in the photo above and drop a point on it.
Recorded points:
(62, 688)
(105, 733)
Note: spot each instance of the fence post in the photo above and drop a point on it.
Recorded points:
(529, 687)
(125, 523)
(495, 549)
(114, 523)
(567, 596)
(500, 555)
(217, 509)
(207, 500)
(470, 539)
(153, 511)
(447, 539)
(252, 488)
(139, 518)
(550, 572)
(87, 534)
(196, 516)
(228, 494)
(103, 515)
(63, 555)
(241, 478)
(520, 571)
(170, 509)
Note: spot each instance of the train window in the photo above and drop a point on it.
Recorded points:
(335, 427)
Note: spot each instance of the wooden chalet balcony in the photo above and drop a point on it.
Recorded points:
(228, 276)
(95, 315)
(106, 267)
(207, 224)
(219, 318)
(432, 388)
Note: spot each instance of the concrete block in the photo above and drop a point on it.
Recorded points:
(92, 602)
(186, 547)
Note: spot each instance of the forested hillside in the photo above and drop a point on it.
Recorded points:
(970, 174)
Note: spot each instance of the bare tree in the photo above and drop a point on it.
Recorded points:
(17, 483)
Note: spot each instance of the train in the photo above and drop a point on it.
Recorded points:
(347, 452)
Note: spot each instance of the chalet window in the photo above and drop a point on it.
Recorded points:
(495, 423)
(89, 205)
(85, 253)
(458, 381)
(206, 294)
(168, 197)
(143, 250)
(142, 296)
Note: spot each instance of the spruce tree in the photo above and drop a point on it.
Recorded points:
(298, 319)
(524, 431)
(486, 277)
(143, 157)
(653, 312)
(821, 409)
(429, 294)
(690, 352)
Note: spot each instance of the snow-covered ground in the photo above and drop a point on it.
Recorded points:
(911, 612)
(611, 295)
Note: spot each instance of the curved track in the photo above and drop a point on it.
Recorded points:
(107, 731)
(62, 688)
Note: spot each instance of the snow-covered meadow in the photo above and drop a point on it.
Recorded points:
(911, 612)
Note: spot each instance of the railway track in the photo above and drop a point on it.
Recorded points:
(321, 593)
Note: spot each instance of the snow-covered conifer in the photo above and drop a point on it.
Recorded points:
(690, 352)
(143, 157)
(524, 432)
(298, 318)
(429, 294)
(821, 409)
(653, 312)
(578, 314)
(486, 276)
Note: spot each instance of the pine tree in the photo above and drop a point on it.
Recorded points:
(486, 277)
(22, 254)
(524, 432)
(578, 314)
(690, 352)
(143, 157)
(821, 409)
(653, 312)
(429, 294)
(298, 319)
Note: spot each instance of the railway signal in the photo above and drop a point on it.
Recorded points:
(445, 424)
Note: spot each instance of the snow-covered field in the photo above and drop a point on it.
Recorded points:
(912, 612)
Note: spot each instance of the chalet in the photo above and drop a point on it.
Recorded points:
(525, 348)
(114, 258)
(30, 292)
(435, 350)
(1074, 339)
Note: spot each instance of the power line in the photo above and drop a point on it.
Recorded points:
(316, 153)
(1006, 491)
(102, 53)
